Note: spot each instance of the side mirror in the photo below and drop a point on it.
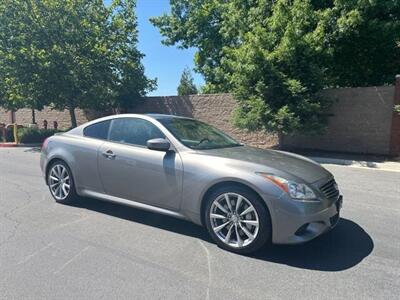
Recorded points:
(158, 144)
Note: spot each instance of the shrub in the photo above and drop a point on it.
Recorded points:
(9, 135)
(34, 135)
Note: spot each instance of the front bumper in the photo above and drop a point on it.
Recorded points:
(306, 224)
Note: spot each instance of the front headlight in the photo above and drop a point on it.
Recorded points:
(297, 191)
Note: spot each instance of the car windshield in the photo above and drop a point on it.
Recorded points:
(197, 135)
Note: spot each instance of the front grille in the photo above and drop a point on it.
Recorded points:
(330, 190)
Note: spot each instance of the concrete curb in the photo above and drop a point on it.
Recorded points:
(383, 166)
(30, 145)
(7, 145)
(13, 145)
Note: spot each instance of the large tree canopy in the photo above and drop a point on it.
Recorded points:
(70, 53)
(276, 56)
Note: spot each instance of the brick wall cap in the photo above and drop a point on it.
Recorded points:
(194, 95)
(360, 87)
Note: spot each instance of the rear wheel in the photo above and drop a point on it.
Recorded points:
(237, 220)
(61, 182)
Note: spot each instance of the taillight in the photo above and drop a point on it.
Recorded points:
(45, 142)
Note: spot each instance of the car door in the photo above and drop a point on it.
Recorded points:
(129, 170)
(84, 152)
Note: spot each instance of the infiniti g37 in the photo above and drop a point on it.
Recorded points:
(185, 168)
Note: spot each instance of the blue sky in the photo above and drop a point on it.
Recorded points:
(161, 62)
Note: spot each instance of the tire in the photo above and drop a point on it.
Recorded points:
(65, 191)
(241, 223)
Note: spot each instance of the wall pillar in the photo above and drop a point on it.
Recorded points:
(395, 130)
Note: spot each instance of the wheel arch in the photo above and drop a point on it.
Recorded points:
(51, 162)
(227, 183)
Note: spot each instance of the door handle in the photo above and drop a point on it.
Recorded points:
(109, 154)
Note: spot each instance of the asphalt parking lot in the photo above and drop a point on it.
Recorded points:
(98, 250)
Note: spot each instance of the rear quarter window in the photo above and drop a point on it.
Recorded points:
(97, 130)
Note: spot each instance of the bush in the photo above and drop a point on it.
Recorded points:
(34, 135)
(9, 135)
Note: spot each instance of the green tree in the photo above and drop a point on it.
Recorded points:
(69, 54)
(186, 84)
(359, 38)
(276, 56)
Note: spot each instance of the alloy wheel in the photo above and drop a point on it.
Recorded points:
(234, 220)
(59, 182)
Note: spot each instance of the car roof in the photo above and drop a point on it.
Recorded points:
(111, 117)
(165, 116)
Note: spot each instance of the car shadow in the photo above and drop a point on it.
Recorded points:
(340, 249)
(144, 217)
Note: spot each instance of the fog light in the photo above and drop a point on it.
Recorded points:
(302, 230)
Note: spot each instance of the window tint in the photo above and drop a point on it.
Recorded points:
(97, 130)
(198, 135)
(133, 131)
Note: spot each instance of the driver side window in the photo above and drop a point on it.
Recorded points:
(133, 131)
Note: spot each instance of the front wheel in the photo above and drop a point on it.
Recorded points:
(237, 220)
(61, 182)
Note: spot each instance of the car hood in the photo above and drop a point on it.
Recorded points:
(293, 164)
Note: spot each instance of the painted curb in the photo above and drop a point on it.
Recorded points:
(7, 145)
(13, 145)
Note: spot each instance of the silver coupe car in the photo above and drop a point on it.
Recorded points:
(182, 167)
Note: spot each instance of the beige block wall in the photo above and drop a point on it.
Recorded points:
(361, 122)
(215, 109)
(24, 117)
(4, 118)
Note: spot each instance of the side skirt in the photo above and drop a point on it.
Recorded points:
(132, 203)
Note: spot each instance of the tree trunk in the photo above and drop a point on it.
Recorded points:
(33, 116)
(280, 140)
(11, 116)
(73, 117)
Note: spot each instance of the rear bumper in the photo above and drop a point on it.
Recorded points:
(302, 227)
(43, 164)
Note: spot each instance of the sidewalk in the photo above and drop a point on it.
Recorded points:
(383, 166)
(376, 162)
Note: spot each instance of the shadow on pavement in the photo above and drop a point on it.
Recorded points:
(33, 149)
(340, 249)
(145, 217)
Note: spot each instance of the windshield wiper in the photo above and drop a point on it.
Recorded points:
(220, 147)
(233, 145)
(202, 141)
(228, 146)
